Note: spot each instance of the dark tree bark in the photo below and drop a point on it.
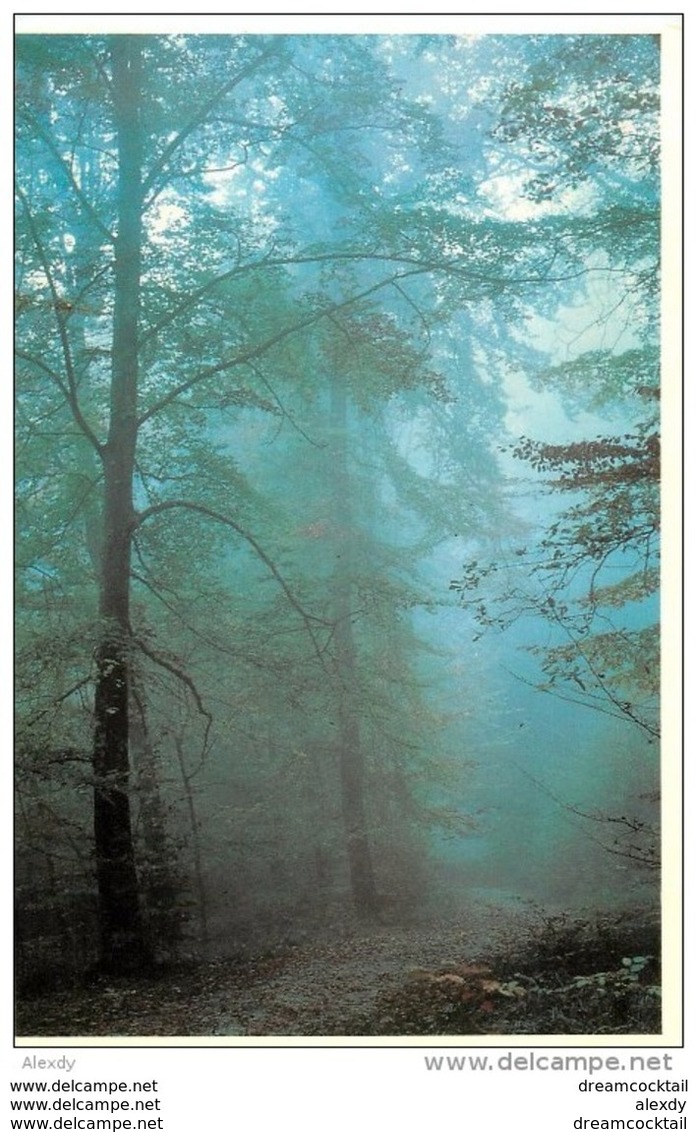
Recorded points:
(123, 944)
(159, 882)
(352, 772)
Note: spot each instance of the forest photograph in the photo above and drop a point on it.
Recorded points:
(337, 492)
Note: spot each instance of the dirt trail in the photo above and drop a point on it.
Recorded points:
(327, 989)
(358, 982)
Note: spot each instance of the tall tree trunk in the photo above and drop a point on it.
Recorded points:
(123, 945)
(351, 756)
(160, 886)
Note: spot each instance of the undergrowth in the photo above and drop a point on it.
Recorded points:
(572, 976)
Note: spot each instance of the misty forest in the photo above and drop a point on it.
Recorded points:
(337, 485)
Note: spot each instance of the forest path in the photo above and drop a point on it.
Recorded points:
(330, 988)
(327, 987)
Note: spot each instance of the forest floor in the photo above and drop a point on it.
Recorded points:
(329, 986)
(334, 988)
(498, 969)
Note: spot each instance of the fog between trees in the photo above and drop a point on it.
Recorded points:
(337, 478)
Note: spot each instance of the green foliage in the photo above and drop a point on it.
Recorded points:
(307, 222)
(589, 106)
(599, 378)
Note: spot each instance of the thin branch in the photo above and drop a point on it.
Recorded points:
(203, 171)
(623, 708)
(617, 713)
(200, 116)
(53, 706)
(195, 296)
(642, 856)
(413, 266)
(284, 412)
(253, 352)
(69, 391)
(183, 677)
(419, 313)
(308, 619)
(67, 172)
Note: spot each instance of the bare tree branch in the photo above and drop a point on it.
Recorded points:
(282, 409)
(309, 620)
(183, 677)
(639, 854)
(68, 390)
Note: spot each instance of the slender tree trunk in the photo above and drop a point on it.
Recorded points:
(201, 895)
(123, 945)
(351, 755)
